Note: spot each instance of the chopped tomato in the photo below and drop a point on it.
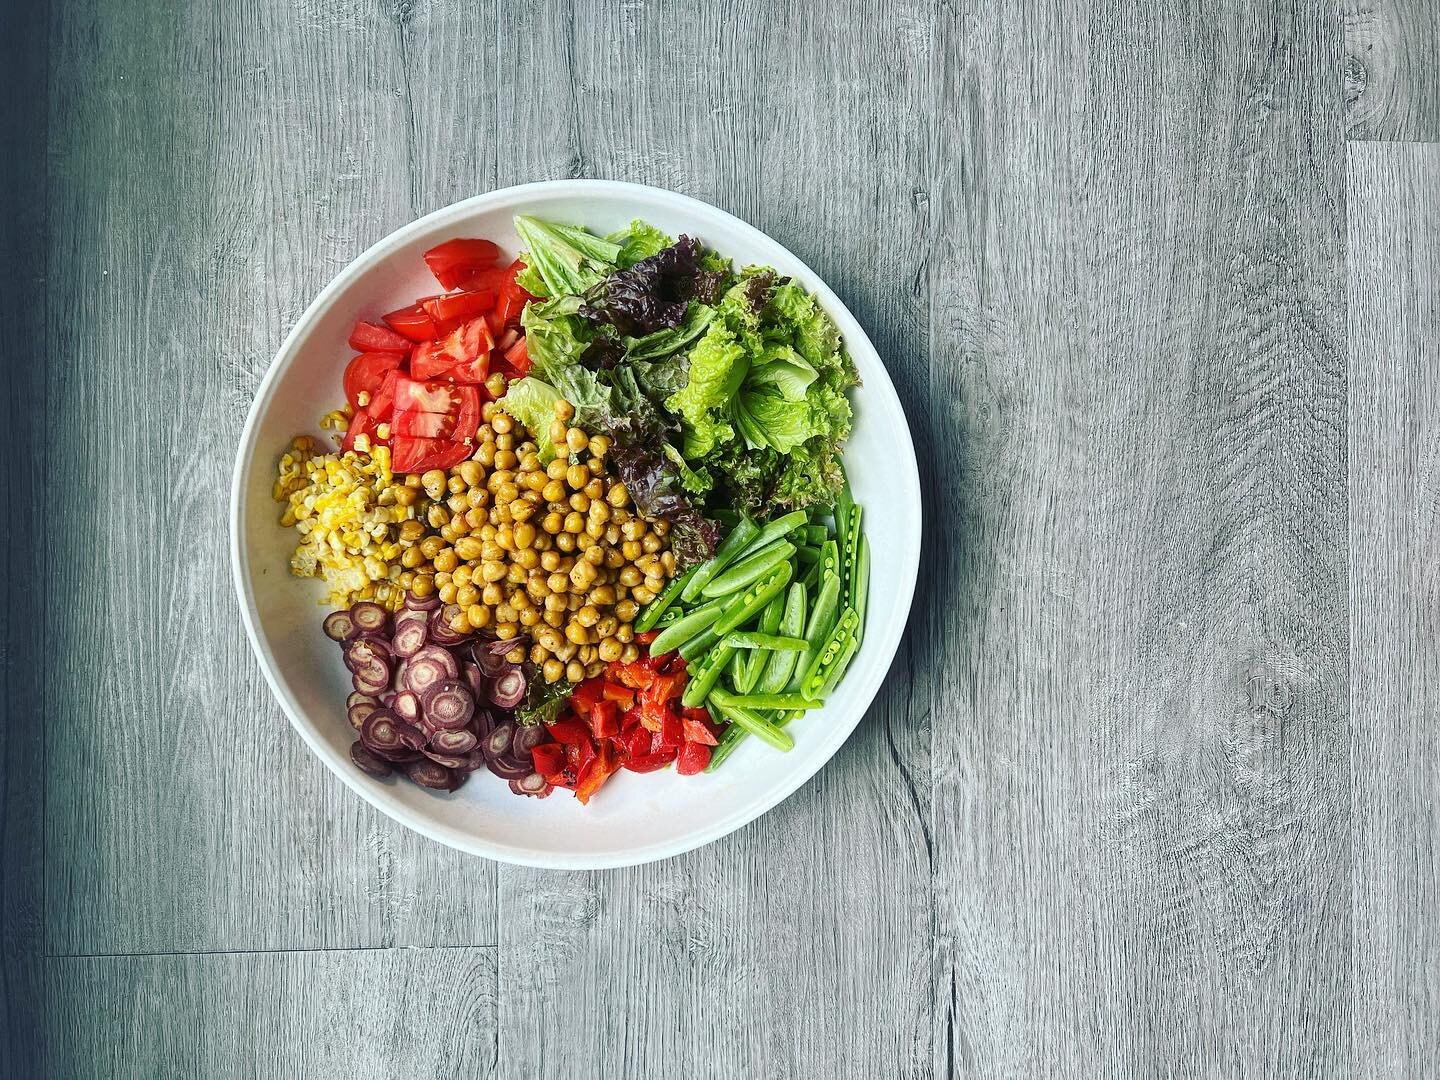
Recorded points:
(508, 338)
(429, 361)
(697, 731)
(468, 348)
(362, 423)
(411, 322)
(517, 358)
(490, 279)
(448, 312)
(605, 719)
(424, 425)
(549, 759)
(692, 759)
(455, 260)
(412, 455)
(365, 373)
(382, 401)
(367, 337)
(595, 772)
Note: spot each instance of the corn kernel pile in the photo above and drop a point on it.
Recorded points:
(348, 510)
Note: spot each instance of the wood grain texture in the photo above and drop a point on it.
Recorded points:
(377, 1014)
(1392, 69)
(1139, 680)
(1394, 339)
(798, 947)
(25, 58)
(212, 168)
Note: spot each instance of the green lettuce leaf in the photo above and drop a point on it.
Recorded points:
(718, 363)
(532, 402)
(639, 241)
(562, 259)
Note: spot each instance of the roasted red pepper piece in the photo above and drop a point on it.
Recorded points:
(692, 759)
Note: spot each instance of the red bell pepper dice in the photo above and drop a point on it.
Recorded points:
(692, 759)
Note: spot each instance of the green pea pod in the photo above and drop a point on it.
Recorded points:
(761, 642)
(650, 617)
(815, 535)
(732, 738)
(797, 703)
(749, 570)
(807, 554)
(754, 657)
(740, 536)
(698, 646)
(686, 627)
(817, 627)
(782, 664)
(751, 721)
(830, 661)
(780, 527)
(704, 675)
(850, 552)
(860, 581)
(830, 558)
(752, 601)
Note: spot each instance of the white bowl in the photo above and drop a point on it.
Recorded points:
(636, 818)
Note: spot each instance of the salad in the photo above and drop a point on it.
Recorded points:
(584, 512)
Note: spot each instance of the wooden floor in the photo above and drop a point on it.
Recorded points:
(1150, 791)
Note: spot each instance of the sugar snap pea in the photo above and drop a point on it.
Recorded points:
(731, 739)
(686, 627)
(744, 607)
(860, 581)
(785, 702)
(815, 534)
(780, 527)
(698, 646)
(740, 536)
(830, 558)
(762, 642)
(749, 570)
(650, 617)
(850, 550)
(751, 721)
(704, 674)
(782, 664)
(829, 663)
(818, 626)
(753, 657)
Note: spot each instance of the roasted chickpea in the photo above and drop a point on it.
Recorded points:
(447, 593)
(505, 631)
(625, 633)
(579, 502)
(434, 483)
(495, 384)
(609, 650)
(630, 576)
(405, 496)
(491, 570)
(642, 594)
(564, 410)
(559, 582)
(501, 423)
(550, 560)
(524, 535)
(485, 455)
(430, 546)
(606, 626)
(557, 468)
(411, 557)
(424, 586)
(587, 615)
(462, 575)
(466, 595)
(557, 431)
(553, 671)
(516, 655)
(574, 523)
(577, 476)
(582, 575)
(468, 548)
(617, 496)
(565, 541)
(599, 445)
(574, 670)
(629, 654)
(479, 616)
(504, 456)
(492, 594)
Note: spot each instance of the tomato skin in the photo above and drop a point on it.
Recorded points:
(367, 337)
(429, 361)
(362, 423)
(382, 402)
(446, 456)
(411, 322)
(455, 260)
(366, 372)
(517, 359)
(407, 453)
(448, 312)
(692, 759)
(468, 348)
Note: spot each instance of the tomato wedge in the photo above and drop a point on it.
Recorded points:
(365, 373)
(362, 423)
(455, 260)
(469, 348)
(411, 322)
(382, 401)
(414, 455)
(367, 337)
(448, 312)
(517, 359)
(435, 410)
(429, 361)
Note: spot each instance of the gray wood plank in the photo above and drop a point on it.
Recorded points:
(1137, 661)
(210, 173)
(372, 1013)
(799, 946)
(1394, 338)
(1392, 69)
(22, 648)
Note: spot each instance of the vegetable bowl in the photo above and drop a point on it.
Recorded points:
(400, 648)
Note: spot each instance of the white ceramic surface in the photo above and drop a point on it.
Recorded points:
(636, 818)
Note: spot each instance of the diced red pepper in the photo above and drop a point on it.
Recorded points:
(549, 759)
(697, 731)
(692, 759)
(367, 337)
(672, 729)
(621, 695)
(605, 719)
(585, 695)
(637, 676)
(647, 636)
(635, 742)
(650, 762)
(571, 732)
(596, 772)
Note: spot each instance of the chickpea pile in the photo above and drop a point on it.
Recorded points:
(552, 551)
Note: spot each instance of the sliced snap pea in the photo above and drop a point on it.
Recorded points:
(749, 639)
(815, 534)
(780, 527)
(818, 626)
(860, 580)
(698, 646)
(850, 550)
(830, 661)
(786, 702)
(752, 722)
(782, 664)
(752, 601)
(704, 675)
(740, 536)
(807, 554)
(686, 627)
(749, 570)
(731, 739)
(754, 658)
(830, 558)
(650, 617)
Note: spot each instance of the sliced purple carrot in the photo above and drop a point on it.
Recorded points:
(529, 736)
(407, 706)
(507, 768)
(474, 679)
(447, 704)
(339, 626)
(428, 667)
(421, 603)
(373, 680)
(454, 742)
(498, 741)
(361, 651)
(412, 737)
(432, 774)
(360, 712)
(474, 760)
(368, 762)
(508, 688)
(534, 784)
(450, 761)
(357, 697)
(381, 732)
(411, 633)
(369, 617)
